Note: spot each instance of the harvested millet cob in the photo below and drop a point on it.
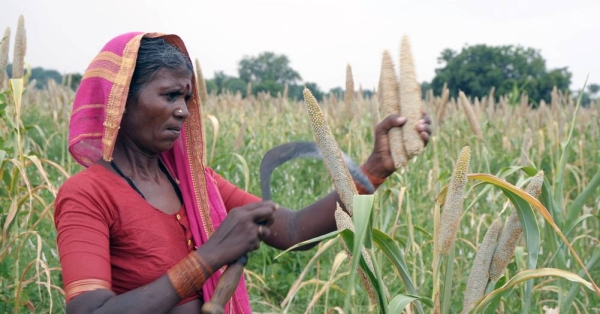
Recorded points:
(512, 232)
(390, 102)
(20, 50)
(478, 278)
(337, 168)
(452, 209)
(4, 45)
(466, 104)
(410, 102)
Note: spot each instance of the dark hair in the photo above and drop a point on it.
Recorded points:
(153, 55)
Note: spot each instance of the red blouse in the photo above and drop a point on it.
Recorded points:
(110, 237)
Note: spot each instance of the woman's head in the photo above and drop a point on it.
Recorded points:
(155, 54)
(109, 84)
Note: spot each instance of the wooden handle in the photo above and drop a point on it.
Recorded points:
(225, 288)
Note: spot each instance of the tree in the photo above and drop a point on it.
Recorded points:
(476, 69)
(593, 89)
(268, 66)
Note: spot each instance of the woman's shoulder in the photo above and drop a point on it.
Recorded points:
(94, 184)
(96, 176)
(88, 191)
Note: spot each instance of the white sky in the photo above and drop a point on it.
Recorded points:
(319, 36)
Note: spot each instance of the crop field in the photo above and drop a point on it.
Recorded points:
(556, 259)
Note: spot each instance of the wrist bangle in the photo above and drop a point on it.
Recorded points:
(376, 181)
(189, 275)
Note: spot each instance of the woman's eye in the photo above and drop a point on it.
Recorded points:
(172, 96)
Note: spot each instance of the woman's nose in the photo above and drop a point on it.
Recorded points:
(182, 111)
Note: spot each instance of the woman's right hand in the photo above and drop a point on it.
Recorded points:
(241, 232)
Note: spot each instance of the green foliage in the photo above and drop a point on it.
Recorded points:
(476, 69)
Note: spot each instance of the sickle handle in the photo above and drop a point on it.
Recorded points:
(226, 287)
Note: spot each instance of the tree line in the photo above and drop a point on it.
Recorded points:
(511, 70)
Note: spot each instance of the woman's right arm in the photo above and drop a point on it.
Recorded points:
(83, 241)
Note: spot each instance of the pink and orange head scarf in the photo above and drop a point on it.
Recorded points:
(94, 125)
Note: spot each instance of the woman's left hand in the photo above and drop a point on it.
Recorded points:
(380, 164)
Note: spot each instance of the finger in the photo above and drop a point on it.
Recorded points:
(426, 118)
(263, 214)
(256, 205)
(425, 137)
(424, 128)
(390, 122)
(263, 232)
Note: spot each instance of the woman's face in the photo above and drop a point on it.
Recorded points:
(154, 120)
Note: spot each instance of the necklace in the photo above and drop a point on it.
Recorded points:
(162, 168)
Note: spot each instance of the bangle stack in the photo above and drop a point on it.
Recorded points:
(189, 275)
(376, 181)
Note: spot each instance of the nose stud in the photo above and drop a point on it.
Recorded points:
(179, 111)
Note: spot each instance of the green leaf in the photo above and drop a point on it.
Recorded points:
(531, 232)
(348, 237)
(447, 296)
(576, 207)
(313, 240)
(363, 206)
(395, 255)
(529, 274)
(567, 302)
(494, 304)
(16, 86)
(400, 301)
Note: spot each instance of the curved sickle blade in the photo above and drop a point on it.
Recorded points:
(289, 151)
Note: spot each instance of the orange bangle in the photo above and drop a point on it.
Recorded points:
(376, 181)
(189, 275)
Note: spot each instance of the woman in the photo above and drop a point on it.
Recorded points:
(147, 227)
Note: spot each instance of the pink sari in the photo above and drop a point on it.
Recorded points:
(93, 129)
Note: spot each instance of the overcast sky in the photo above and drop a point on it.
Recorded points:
(319, 36)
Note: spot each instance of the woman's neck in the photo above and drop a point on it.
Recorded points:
(135, 162)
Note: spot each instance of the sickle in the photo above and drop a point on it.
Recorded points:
(271, 160)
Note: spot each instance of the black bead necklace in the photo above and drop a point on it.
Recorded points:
(162, 168)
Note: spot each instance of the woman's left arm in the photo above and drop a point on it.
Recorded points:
(291, 227)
